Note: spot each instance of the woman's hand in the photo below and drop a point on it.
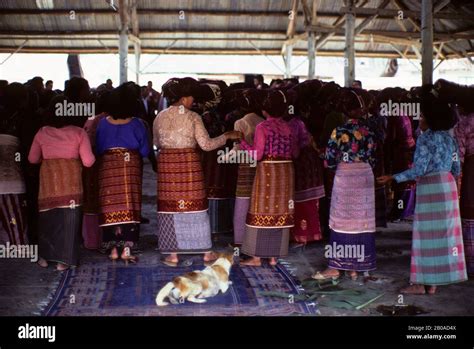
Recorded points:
(384, 179)
(234, 135)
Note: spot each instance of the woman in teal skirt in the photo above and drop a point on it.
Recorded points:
(437, 255)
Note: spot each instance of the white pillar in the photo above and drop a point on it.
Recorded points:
(123, 53)
(311, 55)
(349, 52)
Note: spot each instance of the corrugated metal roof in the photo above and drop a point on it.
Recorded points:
(228, 26)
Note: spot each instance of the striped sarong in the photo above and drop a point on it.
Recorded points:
(120, 187)
(437, 254)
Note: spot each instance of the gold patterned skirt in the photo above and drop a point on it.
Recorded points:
(271, 211)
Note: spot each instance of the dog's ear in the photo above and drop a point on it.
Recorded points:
(230, 257)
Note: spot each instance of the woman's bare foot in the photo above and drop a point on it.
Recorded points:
(273, 261)
(62, 267)
(127, 256)
(353, 275)
(413, 289)
(43, 263)
(431, 289)
(209, 257)
(329, 273)
(173, 258)
(113, 254)
(252, 262)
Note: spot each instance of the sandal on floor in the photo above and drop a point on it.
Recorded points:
(321, 276)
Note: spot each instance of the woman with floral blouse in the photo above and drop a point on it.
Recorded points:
(351, 149)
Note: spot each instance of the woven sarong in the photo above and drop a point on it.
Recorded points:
(467, 188)
(13, 222)
(467, 211)
(307, 227)
(90, 179)
(272, 202)
(437, 254)
(220, 178)
(59, 235)
(120, 187)
(245, 177)
(180, 181)
(271, 211)
(353, 199)
(309, 183)
(60, 184)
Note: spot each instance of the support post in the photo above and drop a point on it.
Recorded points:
(123, 40)
(311, 55)
(349, 52)
(427, 41)
(288, 55)
(137, 51)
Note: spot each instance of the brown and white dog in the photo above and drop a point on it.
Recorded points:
(198, 284)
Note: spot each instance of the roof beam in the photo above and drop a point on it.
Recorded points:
(299, 52)
(406, 13)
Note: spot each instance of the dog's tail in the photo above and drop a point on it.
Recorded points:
(164, 292)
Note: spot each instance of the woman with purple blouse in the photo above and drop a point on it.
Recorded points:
(270, 215)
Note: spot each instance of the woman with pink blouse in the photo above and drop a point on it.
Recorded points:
(62, 150)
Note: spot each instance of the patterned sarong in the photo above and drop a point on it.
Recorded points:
(180, 181)
(272, 202)
(309, 183)
(437, 254)
(120, 187)
(60, 184)
(467, 211)
(246, 175)
(271, 211)
(353, 199)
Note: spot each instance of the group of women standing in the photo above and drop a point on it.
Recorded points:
(91, 178)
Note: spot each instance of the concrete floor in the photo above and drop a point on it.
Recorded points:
(24, 286)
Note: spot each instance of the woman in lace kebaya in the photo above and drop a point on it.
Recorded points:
(437, 254)
(183, 219)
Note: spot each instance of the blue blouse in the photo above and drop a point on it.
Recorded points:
(131, 136)
(436, 151)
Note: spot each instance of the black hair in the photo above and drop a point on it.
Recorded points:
(439, 115)
(52, 118)
(74, 87)
(259, 77)
(123, 102)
